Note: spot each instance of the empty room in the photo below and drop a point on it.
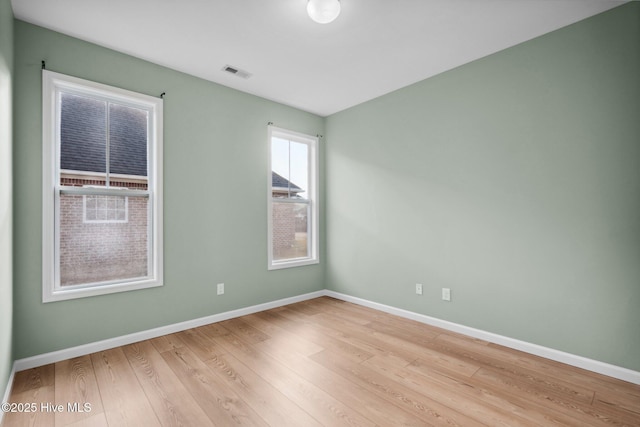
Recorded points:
(320, 213)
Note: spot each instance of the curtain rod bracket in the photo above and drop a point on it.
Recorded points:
(163, 94)
(44, 66)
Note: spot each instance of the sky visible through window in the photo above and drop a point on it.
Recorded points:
(290, 160)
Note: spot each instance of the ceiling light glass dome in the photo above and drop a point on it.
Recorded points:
(323, 11)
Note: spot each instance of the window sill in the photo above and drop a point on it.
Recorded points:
(90, 291)
(278, 265)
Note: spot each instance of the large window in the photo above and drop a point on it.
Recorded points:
(293, 200)
(102, 189)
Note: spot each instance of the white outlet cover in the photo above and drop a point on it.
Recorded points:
(220, 288)
(446, 294)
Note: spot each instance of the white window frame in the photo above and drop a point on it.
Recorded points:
(52, 85)
(312, 143)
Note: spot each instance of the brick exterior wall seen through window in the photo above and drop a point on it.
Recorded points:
(289, 230)
(97, 252)
(92, 252)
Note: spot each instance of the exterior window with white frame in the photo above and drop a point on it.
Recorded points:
(102, 189)
(293, 199)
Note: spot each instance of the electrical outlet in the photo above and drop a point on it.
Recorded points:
(220, 288)
(446, 294)
(418, 289)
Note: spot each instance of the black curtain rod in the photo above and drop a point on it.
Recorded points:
(44, 67)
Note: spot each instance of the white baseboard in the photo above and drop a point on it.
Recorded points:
(81, 350)
(7, 391)
(549, 353)
(538, 350)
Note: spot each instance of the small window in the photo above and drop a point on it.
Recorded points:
(102, 192)
(105, 209)
(292, 196)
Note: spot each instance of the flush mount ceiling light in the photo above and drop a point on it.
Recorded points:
(323, 11)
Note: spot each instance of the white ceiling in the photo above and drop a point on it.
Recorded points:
(373, 48)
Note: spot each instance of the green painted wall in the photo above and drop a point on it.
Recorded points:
(215, 172)
(513, 180)
(6, 190)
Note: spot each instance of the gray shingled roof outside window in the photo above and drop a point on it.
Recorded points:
(280, 182)
(83, 136)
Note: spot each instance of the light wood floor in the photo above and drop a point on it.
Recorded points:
(320, 362)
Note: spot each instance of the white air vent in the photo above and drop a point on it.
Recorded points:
(236, 71)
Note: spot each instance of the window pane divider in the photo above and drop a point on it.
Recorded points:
(288, 200)
(111, 191)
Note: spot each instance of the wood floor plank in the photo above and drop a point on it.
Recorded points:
(448, 391)
(215, 329)
(584, 412)
(357, 337)
(76, 385)
(308, 308)
(502, 398)
(510, 364)
(33, 378)
(170, 400)
(325, 307)
(608, 385)
(413, 326)
(200, 344)
(265, 322)
(322, 406)
(619, 401)
(270, 402)
(419, 338)
(437, 360)
(615, 414)
(405, 351)
(32, 387)
(326, 341)
(417, 347)
(96, 420)
(35, 416)
(421, 406)
(244, 330)
(221, 404)
(274, 407)
(167, 342)
(410, 348)
(123, 399)
(570, 374)
(369, 405)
